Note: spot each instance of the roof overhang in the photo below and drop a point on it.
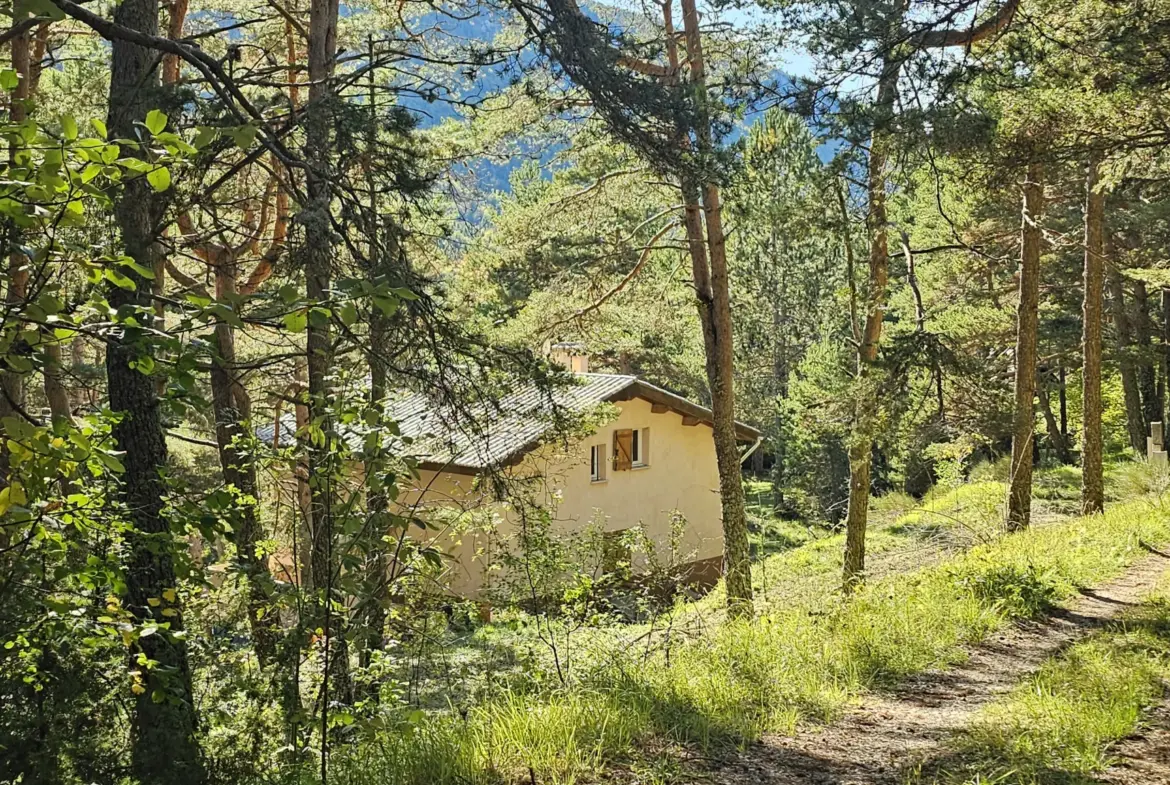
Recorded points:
(692, 413)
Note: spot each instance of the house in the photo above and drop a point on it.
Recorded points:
(638, 455)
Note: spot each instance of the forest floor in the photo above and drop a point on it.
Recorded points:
(894, 736)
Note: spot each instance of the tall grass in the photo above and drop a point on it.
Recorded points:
(1058, 725)
(740, 680)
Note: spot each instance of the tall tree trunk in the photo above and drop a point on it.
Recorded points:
(1165, 352)
(1027, 320)
(1055, 435)
(866, 405)
(232, 407)
(318, 258)
(1062, 397)
(373, 616)
(164, 749)
(1123, 336)
(780, 390)
(712, 286)
(56, 393)
(26, 56)
(12, 386)
(385, 254)
(1092, 470)
(1146, 362)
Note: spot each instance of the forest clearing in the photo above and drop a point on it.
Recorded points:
(534, 392)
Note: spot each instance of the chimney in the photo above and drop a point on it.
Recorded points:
(571, 356)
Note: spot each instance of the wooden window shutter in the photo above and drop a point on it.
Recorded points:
(623, 447)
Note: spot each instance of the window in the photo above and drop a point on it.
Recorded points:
(640, 452)
(597, 463)
(623, 448)
(631, 449)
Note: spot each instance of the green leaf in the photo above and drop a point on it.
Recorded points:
(111, 462)
(12, 496)
(243, 136)
(320, 316)
(39, 8)
(145, 272)
(135, 164)
(119, 280)
(156, 121)
(9, 79)
(159, 179)
(19, 364)
(296, 322)
(387, 305)
(143, 364)
(348, 314)
(204, 136)
(69, 127)
(288, 294)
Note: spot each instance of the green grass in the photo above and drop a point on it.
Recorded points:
(1058, 725)
(731, 682)
(742, 680)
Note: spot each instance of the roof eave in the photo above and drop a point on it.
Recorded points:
(701, 414)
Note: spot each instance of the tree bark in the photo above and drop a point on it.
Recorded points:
(1055, 435)
(385, 254)
(1062, 397)
(866, 405)
(57, 395)
(1123, 336)
(1092, 470)
(377, 507)
(164, 749)
(12, 387)
(1027, 320)
(1165, 351)
(26, 56)
(712, 285)
(318, 257)
(1146, 369)
(232, 407)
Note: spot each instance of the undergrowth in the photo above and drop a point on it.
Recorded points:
(1058, 725)
(734, 681)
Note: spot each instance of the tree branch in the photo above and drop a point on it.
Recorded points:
(938, 39)
(623, 282)
(212, 71)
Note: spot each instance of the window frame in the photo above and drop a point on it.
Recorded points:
(597, 463)
(640, 449)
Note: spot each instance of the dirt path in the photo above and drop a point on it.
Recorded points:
(1143, 758)
(886, 733)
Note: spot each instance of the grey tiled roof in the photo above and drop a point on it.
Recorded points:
(496, 434)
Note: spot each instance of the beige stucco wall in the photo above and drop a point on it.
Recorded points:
(681, 475)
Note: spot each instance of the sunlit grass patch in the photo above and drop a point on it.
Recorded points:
(973, 511)
(1058, 725)
(800, 661)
